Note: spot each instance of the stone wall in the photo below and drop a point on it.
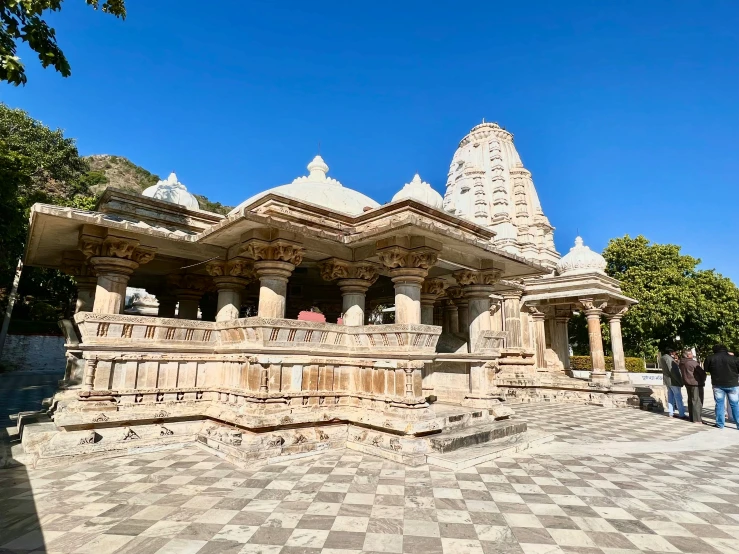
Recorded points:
(34, 353)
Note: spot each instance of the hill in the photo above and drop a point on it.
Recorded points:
(121, 173)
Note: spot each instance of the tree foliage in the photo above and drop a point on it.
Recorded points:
(676, 299)
(37, 164)
(23, 21)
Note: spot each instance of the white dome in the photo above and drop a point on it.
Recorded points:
(420, 191)
(581, 259)
(316, 188)
(171, 190)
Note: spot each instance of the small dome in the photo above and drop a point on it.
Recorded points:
(581, 259)
(321, 190)
(171, 190)
(420, 191)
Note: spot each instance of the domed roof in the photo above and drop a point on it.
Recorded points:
(316, 188)
(171, 190)
(420, 191)
(581, 259)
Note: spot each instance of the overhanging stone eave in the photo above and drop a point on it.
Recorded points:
(573, 296)
(65, 223)
(112, 193)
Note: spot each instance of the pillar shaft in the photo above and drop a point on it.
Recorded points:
(85, 294)
(229, 296)
(478, 297)
(167, 305)
(189, 303)
(408, 283)
(451, 315)
(540, 341)
(112, 280)
(273, 277)
(595, 337)
(562, 341)
(620, 375)
(354, 297)
(463, 315)
(512, 318)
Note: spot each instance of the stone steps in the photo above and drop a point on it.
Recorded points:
(470, 456)
(455, 439)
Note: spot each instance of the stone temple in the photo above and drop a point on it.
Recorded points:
(312, 317)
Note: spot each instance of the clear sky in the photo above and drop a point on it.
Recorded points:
(626, 112)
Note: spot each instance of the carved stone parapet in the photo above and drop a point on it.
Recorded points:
(334, 268)
(279, 250)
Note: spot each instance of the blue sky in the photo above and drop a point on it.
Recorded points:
(627, 113)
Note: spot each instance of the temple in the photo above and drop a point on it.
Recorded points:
(313, 317)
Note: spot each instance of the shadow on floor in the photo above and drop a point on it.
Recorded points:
(20, 527)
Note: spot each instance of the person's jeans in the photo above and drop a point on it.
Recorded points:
(675, 399)
(719, 395)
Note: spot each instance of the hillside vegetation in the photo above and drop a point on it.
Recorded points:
(119, 172)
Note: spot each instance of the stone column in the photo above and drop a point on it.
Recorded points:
(540, 341)
(354, 279)
(274, 262)
(512, 318)
(430, 291)
(408, 268)
(451, 321)
(167, 305)
(438, 312)
(593, 311)
(496, 315)
(230, 278)
(188, 289)
(620, 375)
(561, 339)
(477, 286)
(114, 260)
(75, 265)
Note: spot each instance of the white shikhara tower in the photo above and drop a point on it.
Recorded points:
(489, 185)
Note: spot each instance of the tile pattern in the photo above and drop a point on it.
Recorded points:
(188, 500)
(575, 423)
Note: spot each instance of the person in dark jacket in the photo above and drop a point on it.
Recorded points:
(724, 371)
(691, 371)
(673, 382)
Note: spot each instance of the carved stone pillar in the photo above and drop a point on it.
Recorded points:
(230, 278)
(561, 339)
(620, 375)
(512, 317)
(76, 266)
(114, 260)
(430, 292)
(167, 305)
(451, 309)
(593, 311)
(354, 278)
(188, 289)
(274, 262)
(438, 312)
(540, 341)
(477, 286)
(496, 315)
(408, 268)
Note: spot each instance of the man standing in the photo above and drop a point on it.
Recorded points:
(724, 372)
(690, 372)
(673, 382)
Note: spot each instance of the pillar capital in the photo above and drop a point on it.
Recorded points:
(430, 291)
(536, 313)
(278, 250)
(593, 308)
(335, 268)
(467, 277)
(511, 294)
(242, 268)
(399, 257)
(117, 247)
(616, 312)
(454, 294)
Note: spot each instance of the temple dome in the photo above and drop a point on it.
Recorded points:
(316, 188)
(171, 190)
(420, 191)
(581, 259)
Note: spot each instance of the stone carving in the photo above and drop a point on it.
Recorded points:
(376, 440)
(277, 250)
(164, 432)
(333, 268)
(275, 442)
(300, 439)
(322, 436)
(90, 438)
(237, 267)
(286, 420)
(594, 306)
(467, 277)
(395, 444)
(100, 418)
(432, 287)
(394, 257)
(129, 434)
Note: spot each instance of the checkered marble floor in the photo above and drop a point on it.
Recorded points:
(576, 423)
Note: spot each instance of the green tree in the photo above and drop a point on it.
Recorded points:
(23, 21)
(676, 299)
(37, 164)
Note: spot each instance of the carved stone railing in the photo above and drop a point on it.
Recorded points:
(490, 341)
(254, 334)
